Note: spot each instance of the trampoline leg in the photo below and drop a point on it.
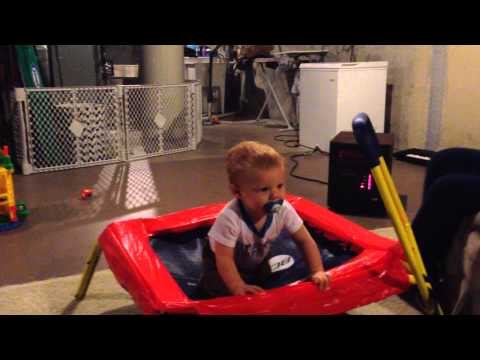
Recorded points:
(367, 139)
(89, 271)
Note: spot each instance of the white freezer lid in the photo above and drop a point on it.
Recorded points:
(300, 52)
(345, 66)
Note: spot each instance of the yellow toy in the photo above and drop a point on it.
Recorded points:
(10, 211)
(366, 137)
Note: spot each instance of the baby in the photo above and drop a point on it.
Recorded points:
(235, 259)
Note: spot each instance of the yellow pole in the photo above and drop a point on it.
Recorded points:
(403, 216)
(367, 139)
(403, 237)
(89, 270)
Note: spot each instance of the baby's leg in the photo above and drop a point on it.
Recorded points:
(263, 272)
(213, 285)
(211, 282)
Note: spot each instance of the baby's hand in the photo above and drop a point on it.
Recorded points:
(321, 279)
(245, 289)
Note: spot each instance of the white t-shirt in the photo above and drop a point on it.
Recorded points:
(231, 230)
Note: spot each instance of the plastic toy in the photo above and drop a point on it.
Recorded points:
(12, 213)
(86, 193)
(365, 135)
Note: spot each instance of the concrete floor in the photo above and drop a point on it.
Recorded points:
(61, 230)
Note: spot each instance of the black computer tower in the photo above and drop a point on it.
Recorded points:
(351, 187)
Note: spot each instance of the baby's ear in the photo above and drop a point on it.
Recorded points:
(235, 190)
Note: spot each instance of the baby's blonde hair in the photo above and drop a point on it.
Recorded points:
(251, 155)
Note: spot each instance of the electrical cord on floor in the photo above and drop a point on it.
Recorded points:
(293, 157)
(286, 139)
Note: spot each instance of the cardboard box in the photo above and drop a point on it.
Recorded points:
(253, 50)
(125, 71)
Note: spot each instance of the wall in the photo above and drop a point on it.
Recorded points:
(461, 108)
(436, 101)
(409, 70)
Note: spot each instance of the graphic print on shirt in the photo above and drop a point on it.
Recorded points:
(258, 249)
(249, 255)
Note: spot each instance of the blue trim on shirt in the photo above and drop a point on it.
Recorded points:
(246, 218)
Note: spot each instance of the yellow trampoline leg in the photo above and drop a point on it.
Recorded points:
(403, 216)
(89, 271)
(367, 139)
(412, 259)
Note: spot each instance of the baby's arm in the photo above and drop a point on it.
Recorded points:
(229, 272)
(312, 255)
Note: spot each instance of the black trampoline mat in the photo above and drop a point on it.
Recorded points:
(181, 253)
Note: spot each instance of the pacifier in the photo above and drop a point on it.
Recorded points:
(273, 206)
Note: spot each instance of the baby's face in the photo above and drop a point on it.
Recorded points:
(260, 187)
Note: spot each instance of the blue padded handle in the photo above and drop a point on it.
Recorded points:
(367, 139)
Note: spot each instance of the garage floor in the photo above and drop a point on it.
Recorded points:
(61, 230)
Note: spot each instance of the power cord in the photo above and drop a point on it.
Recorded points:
(287, 139)
(293, 157)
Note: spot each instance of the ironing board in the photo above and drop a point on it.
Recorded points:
(295, 54)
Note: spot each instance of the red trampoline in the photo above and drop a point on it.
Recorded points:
(158, 260)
